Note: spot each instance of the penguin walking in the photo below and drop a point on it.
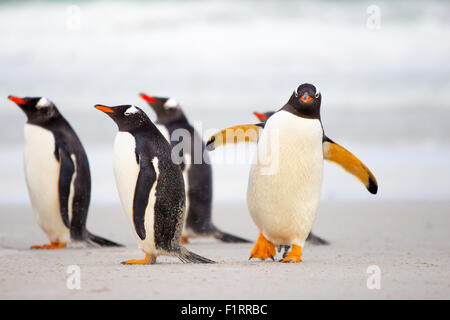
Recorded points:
(57, 175)
(150, 185)
(197, 176)
(312, 238)
(284, 190)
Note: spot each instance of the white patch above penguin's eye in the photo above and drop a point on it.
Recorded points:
(317, 92)
(170, 103)
(131, 110)
(43, 103)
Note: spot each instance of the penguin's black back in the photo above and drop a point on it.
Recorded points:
(199, 178)
(170, 194)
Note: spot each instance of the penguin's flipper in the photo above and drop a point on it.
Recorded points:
(187, 256)
(145, 181)
(66, 174)
(235, 134)
(338, 154)
(66, 187)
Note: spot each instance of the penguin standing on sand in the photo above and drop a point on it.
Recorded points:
(150, 185)
(57, 175)
(284, 188)
(197, 176)
(312, 238)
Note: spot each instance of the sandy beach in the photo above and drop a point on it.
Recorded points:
(409, 242)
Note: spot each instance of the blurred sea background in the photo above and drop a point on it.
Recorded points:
(386, 91)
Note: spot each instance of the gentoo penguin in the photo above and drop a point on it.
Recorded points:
(285, 180)
(150, 185)
(57, 175)
(312, 238)
(197, 174)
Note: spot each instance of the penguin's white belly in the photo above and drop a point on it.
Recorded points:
(42, 177)
(284, 186)
(126, 172)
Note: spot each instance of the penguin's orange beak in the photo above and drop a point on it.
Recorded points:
(260, 116)
(17, 100)
(147, 98)
(104, 108)
(305, 98)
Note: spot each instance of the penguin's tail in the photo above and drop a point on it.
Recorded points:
(187, 256)
(228, 238)
(316, 240)
(102, 242)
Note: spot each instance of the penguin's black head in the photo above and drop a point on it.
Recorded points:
(306, 101)
(263, 116)
(167, 109)
(127, 117)
(38, 110)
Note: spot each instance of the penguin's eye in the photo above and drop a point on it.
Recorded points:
(317, 94)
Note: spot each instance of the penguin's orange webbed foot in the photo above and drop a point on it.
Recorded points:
(293, 256)
(184, 240)
(263, 249)
(51, 246)
(149, 259)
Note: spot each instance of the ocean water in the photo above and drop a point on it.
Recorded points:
(386, 90)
